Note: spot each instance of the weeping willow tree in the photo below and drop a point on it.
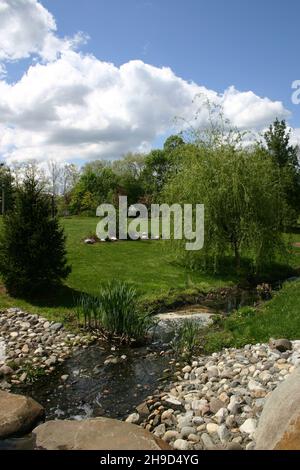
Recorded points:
(242, 195)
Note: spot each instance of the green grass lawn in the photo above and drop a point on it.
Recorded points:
(146, 264)
(277, 318)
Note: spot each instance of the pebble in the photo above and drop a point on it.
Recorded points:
(219, 399)
(35, 342)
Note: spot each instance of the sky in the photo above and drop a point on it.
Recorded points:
(82, 80)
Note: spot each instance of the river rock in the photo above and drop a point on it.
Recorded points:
(18, 414)
(249, 426)
(281, 345)
(181, 444)
(5, 371)
(279, 424)
(95, 434)
(134, 418)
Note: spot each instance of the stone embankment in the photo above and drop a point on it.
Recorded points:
(217, 400)
(31, 346)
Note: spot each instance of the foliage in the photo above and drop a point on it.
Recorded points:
(277, 318)
(6, 188)
(32, 245)
(187, 338)
(241, 194)
(116, 309)
(285, 156)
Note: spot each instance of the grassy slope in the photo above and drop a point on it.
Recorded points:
(278, 318)
(147, 264)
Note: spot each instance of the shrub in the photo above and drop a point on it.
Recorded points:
(32, 245)
(117, 310)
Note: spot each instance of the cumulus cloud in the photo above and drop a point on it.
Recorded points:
(27, 28)
(74, 106)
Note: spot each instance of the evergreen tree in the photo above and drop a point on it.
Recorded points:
(32, 244)
(285, 156)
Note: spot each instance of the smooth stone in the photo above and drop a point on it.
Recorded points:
(18, 414)
(95, 434)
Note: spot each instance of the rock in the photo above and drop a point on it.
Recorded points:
(56, 327)
(215, 405)
(18, 414)
(212, 428)
(89, 241)
(171, 435)
(234, 405)
(134, 418)
(207, 442)
(221, 415)
(279, 424)
(160, 430)
(173, 403)
(212, 371)
(249, 426)
(25, 349)
(223, 433)
(5, 371)
(186, 369)
(234, 446)
(281, 345)
(143, 410)
(65, 377)
(95, 434)
(181, 444)
(186, 431)
(257, 390)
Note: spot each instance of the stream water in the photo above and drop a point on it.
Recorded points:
(96, 388)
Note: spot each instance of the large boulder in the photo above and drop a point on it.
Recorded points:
(95, 434)
(18, 414)
(279, 424)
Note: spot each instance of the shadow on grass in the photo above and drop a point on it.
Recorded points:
(55, 297)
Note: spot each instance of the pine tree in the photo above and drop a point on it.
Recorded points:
(32, 244)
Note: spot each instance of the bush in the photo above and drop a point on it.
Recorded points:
(117, 310)
(32, 244)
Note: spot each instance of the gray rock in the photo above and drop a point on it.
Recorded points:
(281, 345)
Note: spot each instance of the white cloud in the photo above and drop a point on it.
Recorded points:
(74, 106)
(27, 28)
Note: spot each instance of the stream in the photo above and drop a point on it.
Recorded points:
(104, 380)
(96, 388)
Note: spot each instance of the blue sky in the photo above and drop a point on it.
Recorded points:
(252, 44)
(249, 44)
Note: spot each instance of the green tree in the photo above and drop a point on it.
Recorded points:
(241, 195)
(6, 189)
(97, 184)
(32, 244)
(285, 156)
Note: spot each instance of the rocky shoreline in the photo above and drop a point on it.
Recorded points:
(31, 346)
(217, 400)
